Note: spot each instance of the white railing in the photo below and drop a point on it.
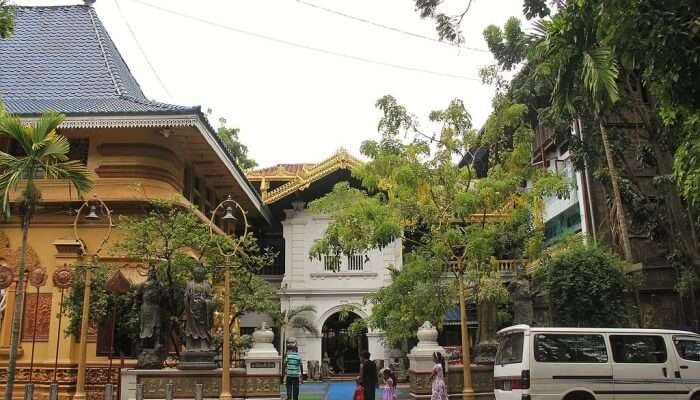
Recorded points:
(353, 263)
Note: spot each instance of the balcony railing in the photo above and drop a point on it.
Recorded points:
(352, 263)
(508, 269)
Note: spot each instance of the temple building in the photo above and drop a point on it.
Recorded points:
(61, 58)
(333, 284)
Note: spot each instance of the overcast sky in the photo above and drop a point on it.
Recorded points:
(294, 104)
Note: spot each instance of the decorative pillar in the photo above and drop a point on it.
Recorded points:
(263, 365)
(421, 361)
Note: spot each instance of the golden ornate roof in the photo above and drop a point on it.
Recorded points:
(298, 177)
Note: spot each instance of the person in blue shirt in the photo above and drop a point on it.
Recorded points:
(294, 370)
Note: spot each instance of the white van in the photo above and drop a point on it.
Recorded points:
(596, 364)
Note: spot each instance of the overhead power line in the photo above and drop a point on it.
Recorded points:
(304, 46)
(391, 28)
(143, 52)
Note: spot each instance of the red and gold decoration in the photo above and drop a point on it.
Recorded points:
(63, 277)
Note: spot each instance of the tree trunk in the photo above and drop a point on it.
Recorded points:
(617, 197)
(19, 306)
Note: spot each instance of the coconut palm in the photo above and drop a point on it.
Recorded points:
(584, 75)
(295, 318)
(45, 157)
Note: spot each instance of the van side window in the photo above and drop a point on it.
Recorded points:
(638, 349)
(510, 349)
(688, 349)
(562, 348)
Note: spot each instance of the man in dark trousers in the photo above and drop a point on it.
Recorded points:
(368, 375)
(294, 371)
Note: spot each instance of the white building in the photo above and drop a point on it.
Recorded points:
(331, 285)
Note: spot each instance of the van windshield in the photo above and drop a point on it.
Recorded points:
(510, 348)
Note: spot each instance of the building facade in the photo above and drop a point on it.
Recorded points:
(62, 59)
(334, 285)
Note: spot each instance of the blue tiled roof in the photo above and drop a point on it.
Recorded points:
(62, 59)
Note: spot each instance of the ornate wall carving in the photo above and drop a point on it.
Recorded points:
(43, 317)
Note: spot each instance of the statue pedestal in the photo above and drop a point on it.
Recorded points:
(243, 386)
(150, 359)
(263, 358)
(197, 360)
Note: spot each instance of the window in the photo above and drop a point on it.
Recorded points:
(570, 349)
(79, 149)
(638, 349)
(688, 348)
(510, 349)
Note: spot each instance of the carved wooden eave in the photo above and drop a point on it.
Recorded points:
(307, 176)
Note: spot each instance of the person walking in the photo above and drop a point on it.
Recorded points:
(368, 375)
(294, 371)
(438, 390)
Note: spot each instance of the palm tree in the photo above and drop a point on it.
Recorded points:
(294, 318)
(45, 157)
(584, 74)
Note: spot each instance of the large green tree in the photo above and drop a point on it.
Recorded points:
(624, 70)
(585, 285)
(414, 188)
(44, 156)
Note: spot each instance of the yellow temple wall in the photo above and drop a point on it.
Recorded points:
(129, 166)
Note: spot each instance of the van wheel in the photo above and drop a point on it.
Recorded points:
(583, 396)
(696, 396)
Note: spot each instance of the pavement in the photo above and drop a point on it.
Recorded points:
(336, 391)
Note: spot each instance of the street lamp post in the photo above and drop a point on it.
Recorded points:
(467, 389)
(230, 206)
(94, 258)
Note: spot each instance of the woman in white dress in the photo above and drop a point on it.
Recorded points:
(439, 391)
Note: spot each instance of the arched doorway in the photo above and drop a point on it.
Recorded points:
(343, 351)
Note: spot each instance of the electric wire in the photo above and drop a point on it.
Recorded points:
(143, 52)
(303, 46)
(390, 28)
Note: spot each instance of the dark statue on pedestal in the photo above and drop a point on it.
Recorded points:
(148, 300)
(199, 312)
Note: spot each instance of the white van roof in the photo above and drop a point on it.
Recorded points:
(536, 329)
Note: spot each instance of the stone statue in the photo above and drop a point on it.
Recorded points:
(148, 299)
(199, 311)
(523, 312)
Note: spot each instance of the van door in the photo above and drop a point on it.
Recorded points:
(688, 351)
(643, 368)
(564, 362)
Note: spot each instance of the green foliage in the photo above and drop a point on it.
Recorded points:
(45, 156)
(414, 190)
(7, 19)
(586, 287)
(416, 294)
(229, 136)
(173, 239)
(102, 303)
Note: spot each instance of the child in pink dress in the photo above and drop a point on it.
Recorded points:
(389, 385)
